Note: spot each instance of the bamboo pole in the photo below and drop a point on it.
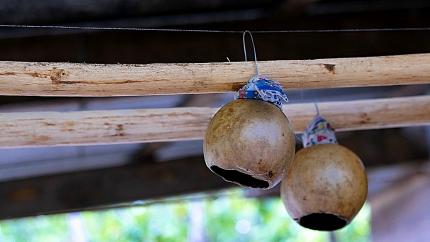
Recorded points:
(68, 79)
(173, 124)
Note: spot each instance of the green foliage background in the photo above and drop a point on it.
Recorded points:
(230, 218)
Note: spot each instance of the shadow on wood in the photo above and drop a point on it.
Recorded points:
(84, 190)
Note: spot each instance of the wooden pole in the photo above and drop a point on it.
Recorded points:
(397, 204)
(173, 124)
(93, 189)
(68, 79)
(147, 180)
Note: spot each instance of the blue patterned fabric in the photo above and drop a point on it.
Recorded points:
(262, 88)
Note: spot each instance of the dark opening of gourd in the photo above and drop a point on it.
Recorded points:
(239, 177)
(322, 221)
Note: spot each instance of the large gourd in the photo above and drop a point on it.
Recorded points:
(326, 184)
(249, 141)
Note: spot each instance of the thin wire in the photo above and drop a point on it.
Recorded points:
(257, 71)
(348, 30)
(343, 30)
(117, 28)
(317, 108)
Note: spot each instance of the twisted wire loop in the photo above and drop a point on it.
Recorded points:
(257, 71)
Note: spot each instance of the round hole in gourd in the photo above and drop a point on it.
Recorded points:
(239, 177)
(322, 221)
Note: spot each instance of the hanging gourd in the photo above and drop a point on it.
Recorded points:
(326, 184)
(249, 141)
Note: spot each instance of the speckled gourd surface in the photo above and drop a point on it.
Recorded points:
(324, 187)
(250, 143)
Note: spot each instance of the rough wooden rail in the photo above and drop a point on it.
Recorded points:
(68, 79)
(170, 124)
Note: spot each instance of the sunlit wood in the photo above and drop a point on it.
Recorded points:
(172, 124)
(70, 79)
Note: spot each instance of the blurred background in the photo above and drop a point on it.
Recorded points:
(94, 193)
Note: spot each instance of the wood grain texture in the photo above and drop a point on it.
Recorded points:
(173, 124)
(68, 79)
(91, 189)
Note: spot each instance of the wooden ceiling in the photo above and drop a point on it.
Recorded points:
(49, 180)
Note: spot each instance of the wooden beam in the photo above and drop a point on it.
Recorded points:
(49, 11)
(173, 124)
(122, 185)
(37, 167)
(397, 210)
(110, 186)
(68, 79)
(89, 189)
(382, 180)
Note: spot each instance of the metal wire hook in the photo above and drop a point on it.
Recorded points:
(253, 47)
(317, 108)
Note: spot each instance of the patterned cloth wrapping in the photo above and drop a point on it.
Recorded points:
(319, 131)
(262, 88)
